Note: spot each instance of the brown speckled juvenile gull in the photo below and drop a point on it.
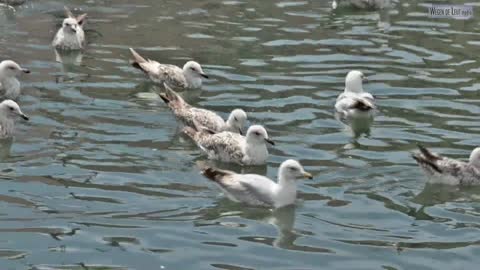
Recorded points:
(231, 147)
(449, 171)
(354, 101)
(190, 77)
(208, 119)
(9, 84)
(258, 190)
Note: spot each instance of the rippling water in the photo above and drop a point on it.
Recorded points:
(100, 178)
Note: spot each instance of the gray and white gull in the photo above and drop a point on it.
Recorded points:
(71, 35)
(258, 190)
(9, 112)
(354, 101)
(9, 84)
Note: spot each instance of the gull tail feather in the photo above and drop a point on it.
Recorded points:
(68, 13)
(427, 154)
(425, 162)
(137, 59)
(171, 97)
(215, 175)
(362, 105)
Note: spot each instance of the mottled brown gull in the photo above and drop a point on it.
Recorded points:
(444, 170)
(187, 114)
(190, 77)
(232, 147)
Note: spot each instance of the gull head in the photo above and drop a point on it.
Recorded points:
(194, 70)
(334, 4)
(9, 68)
(237, 120)
(474, 159)
(72, 24)
(258, 135)
(354, 81)
(10, 109)
(292, 170)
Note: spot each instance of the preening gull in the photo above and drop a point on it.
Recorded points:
(9, 111)
(9, 84)
(259, 190)
(449, 171)
(187, 114)
(354, 102)
(190, 77)
(232, 147)
(70, 36)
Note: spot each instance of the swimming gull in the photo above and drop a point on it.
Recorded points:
(9, 84)
(354, 101)
(259, 190)
(70, 36)
(9, 111)
(190, 77)
(232, 147)
(208, 119)
(449, 171)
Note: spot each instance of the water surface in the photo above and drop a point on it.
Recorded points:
(101, 178)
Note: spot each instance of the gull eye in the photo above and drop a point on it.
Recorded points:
(235, 118)
(257, 133)
(293, 169)
(11, 108)
(192, 68)
(11, 67)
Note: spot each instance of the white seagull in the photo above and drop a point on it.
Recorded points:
(187, 114)
(9, 111)
(449, 171)
(258, 190)
(9, 84)
(232, 147)
(190, 77)
(71, 35)
(354, 101)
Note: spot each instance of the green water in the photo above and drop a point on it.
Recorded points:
(101, 178)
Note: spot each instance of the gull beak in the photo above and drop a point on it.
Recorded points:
(25, 70)
(365, 79)
(204, 75)
(240, 131)
(307, 175)
(268, 140)
(24, 116)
